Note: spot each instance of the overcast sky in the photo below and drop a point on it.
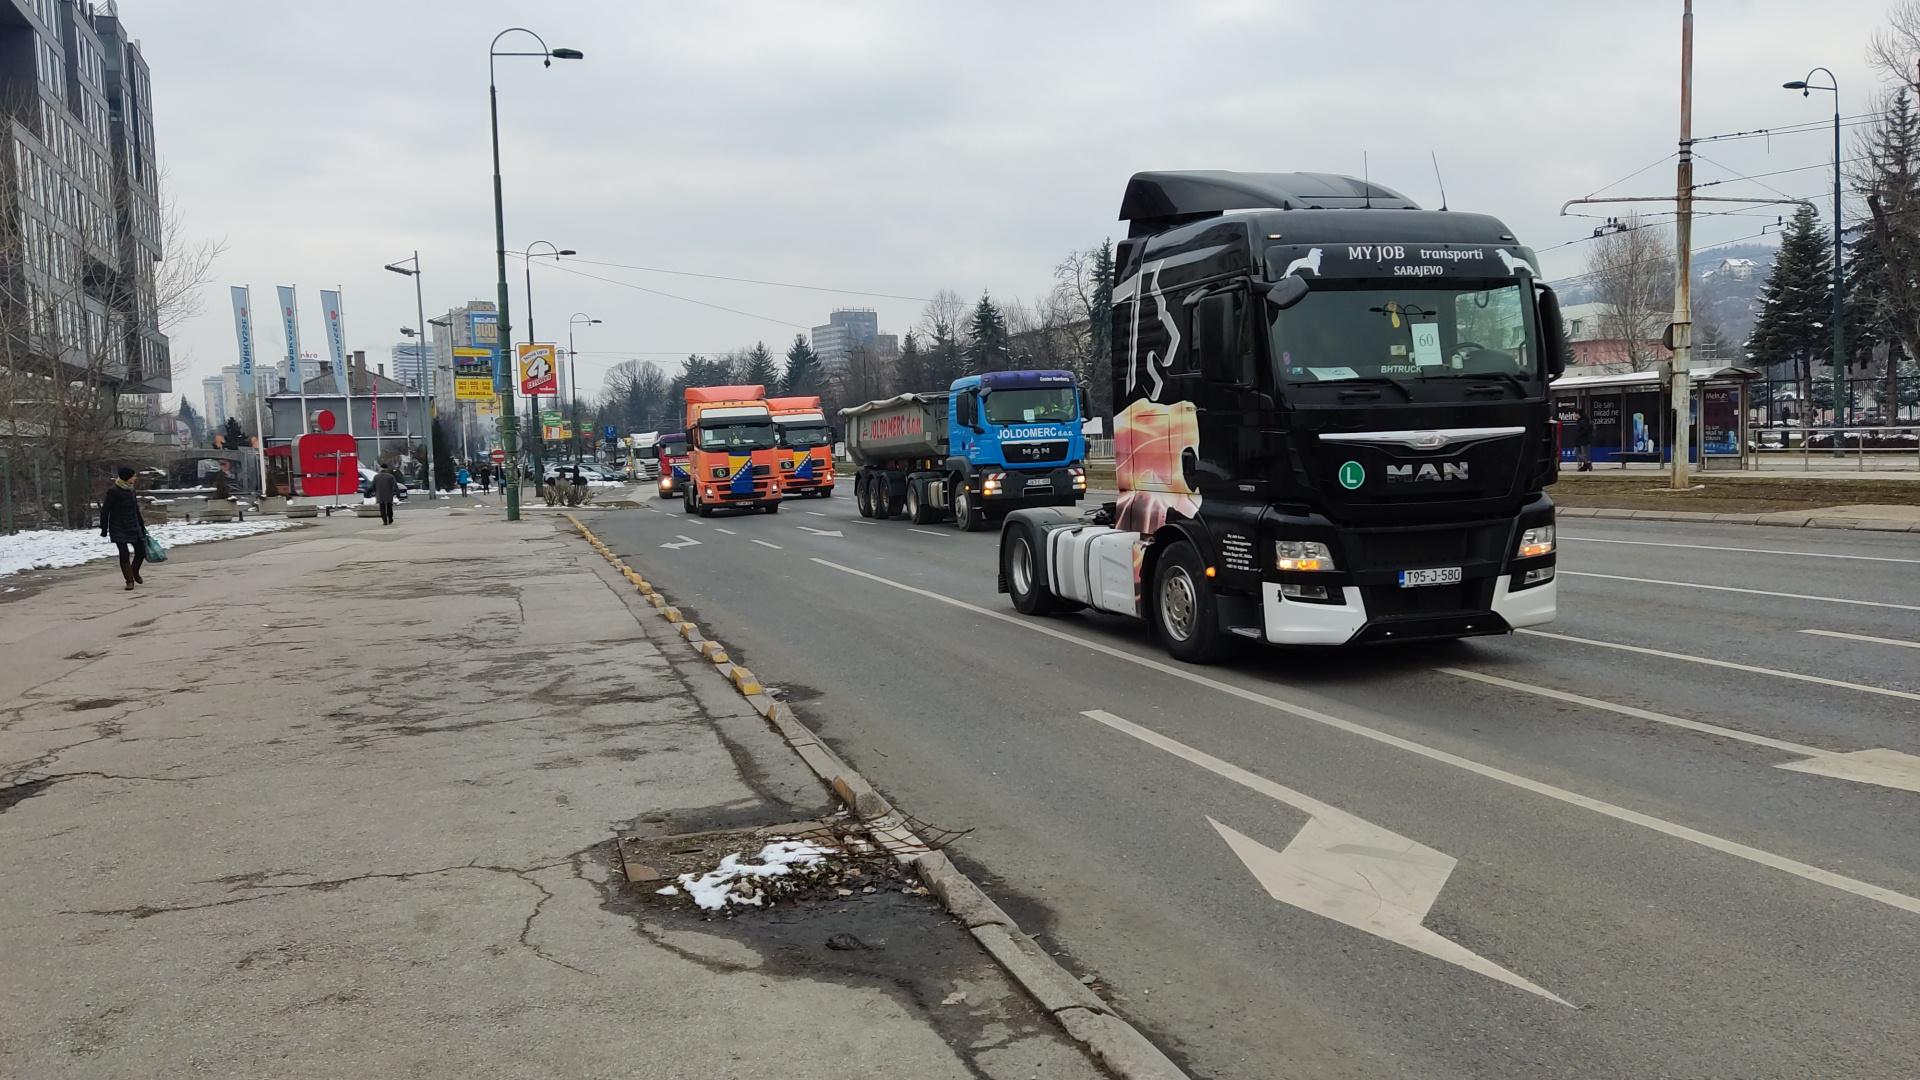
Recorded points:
(900, 147)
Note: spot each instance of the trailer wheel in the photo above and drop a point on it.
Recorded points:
(967, 517)
(890, 504)
(863, 496)
(918, 510)
(1183, 610)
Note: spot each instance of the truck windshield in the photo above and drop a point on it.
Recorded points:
(1029, 406)
(1430, 331)
(805, 436)
(754, 436)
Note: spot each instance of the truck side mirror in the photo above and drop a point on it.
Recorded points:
(1553, 327)
(1287, 292)
(1084, 402)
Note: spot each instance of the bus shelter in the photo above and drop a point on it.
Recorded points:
(1631, 420)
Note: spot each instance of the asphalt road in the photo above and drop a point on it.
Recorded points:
(1595, 866)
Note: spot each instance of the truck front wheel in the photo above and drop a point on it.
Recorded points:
(967, 515)
(1184, 614)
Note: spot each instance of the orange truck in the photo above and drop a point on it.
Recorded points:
(733, 454)
(806, 446)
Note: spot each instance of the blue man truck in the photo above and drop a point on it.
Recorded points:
(987, 445)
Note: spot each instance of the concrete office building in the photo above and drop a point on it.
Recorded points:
(844, 330)
(81, 193)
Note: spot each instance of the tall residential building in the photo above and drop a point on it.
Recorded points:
(473, 324)
(213, 402)
(845, 329)
(81, 194)
(411, 364)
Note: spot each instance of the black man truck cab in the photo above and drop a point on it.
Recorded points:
(1333, 423)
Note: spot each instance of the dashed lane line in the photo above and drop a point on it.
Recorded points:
(930, 532)
(775, 547)
(1742, 550)
(1805, 871)
(1864, 637)
(1735, 589)
(1728, 664)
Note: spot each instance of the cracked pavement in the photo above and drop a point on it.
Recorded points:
(337, 802)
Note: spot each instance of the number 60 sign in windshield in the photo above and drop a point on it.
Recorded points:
(539, 373)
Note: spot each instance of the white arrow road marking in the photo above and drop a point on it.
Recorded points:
(1887, 768)
(1743, 550)
(1644, 651)
(729, 532)
(820, 532)
(685, 541)
(775, 547)
(1879, 894)
(1865, 637)
(1750, 592)
(1340, 867)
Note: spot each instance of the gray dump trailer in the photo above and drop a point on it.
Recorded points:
(911, 427)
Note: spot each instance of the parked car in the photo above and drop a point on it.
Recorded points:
(366, 484)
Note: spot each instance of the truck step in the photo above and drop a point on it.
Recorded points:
(1246, 631)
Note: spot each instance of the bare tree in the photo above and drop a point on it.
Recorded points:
(1632, 274)
(1894, 49)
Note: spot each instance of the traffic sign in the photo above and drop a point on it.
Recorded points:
(539, 370)
(498, 456)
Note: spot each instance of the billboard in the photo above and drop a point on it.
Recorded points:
(483, 332)
(539, 370)
(472, 374)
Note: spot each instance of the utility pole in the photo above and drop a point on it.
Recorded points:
(1681, 333)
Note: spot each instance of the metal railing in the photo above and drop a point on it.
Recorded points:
(1891, 447)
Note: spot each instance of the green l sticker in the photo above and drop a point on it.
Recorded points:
(1352, 475)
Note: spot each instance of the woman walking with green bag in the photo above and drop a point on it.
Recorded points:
(121, 522)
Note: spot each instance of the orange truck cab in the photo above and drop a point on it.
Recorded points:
(733, 457)
(806, 446)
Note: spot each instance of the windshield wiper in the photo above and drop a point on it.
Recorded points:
(1508, 377)
(1376, 380)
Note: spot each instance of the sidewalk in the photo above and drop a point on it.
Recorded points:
(342, 803)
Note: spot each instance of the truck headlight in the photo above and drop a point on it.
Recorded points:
(1302, 555)
(1535, 542)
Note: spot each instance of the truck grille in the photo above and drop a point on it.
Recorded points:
(1055, 450)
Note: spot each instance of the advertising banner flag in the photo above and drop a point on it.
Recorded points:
(336, 337)
(290, 324)
(243, 331)
(473, 374)
(539, 371)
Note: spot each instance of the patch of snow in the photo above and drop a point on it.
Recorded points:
(728, 883)
(668, 891)
(44, 549)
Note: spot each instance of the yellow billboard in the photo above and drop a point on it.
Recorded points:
(472, 374)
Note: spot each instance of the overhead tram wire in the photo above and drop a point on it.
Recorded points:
(1857, 120)
(673, 296)
(749, 281)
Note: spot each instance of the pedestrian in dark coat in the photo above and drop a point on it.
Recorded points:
(1583, 441)
(385, 485)
(120, 521)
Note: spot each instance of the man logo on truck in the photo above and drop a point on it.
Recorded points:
(1448, 470)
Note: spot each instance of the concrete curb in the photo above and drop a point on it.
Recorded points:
(1787, 520)
(1080, 1012)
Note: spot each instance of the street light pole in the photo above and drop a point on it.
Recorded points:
(420, 310)
(573, 382)
(1806, 88)
(509, 420)
(533, 407)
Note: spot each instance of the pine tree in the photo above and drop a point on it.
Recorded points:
(911, 368)
(1883, 262)
(803, 368)
(236, 437)
(991, 348)
(946, 358)
(1100, 330)
(196, 427)
(760, 369)
(1797, 304)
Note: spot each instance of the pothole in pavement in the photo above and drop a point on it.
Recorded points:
(727, 873)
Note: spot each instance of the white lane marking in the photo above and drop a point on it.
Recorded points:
(1751, 592)
(685, 541)
(1865, 637)
(820, 532)
(1867, 890)
(1728, 664)
(1887, 768)
(729, 532)
(814, 513)
(1339, 866)
(930, 532)
(775, 547)
(1743, 550)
